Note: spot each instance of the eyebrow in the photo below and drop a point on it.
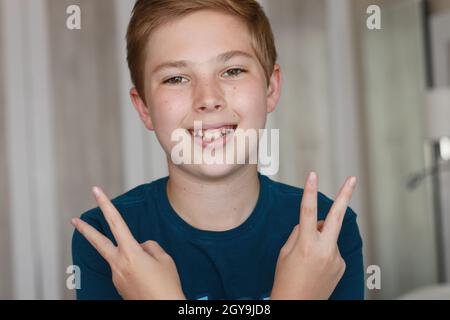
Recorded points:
(223, 57)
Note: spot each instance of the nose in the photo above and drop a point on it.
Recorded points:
(208, 97)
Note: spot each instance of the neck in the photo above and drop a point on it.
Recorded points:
(215, 205)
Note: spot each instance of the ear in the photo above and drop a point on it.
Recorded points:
(141, 108)
(274, 88)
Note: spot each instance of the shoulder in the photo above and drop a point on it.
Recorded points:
(134, 206)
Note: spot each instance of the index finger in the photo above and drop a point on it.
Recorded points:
(333, 222)
(102, 244)
(115, 221)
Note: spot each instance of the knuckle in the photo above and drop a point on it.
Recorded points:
(121, 265)
(333, 215)
(325, 257)
(308, 210)
(166, 257)
(82, 229)
(166, 260)
(339, 265)
(149, 244)
(163, 255)
(335, 218)
(328, 256)
(342, 265)
(104, 242)
(284, 251)
(294, 233)
(306, 249)
(345, 193)
(112, 222)
(126, 261)
(116, 269)
(116, 279)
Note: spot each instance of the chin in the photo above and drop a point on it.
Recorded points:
(215, 171)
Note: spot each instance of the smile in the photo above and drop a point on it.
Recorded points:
(210, 133)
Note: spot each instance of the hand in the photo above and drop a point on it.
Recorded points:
(139, 271)
(309, 265)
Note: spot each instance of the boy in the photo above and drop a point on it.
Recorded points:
(213, 231)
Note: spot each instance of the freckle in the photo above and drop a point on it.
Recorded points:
(234, 88)
(234, 209)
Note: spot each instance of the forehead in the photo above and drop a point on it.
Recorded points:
(198, 37)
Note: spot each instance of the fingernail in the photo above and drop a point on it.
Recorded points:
(73, 221)
(352, 182)
(96, 191)
(312, 178)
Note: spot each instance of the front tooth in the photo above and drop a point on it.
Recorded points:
(212, 134)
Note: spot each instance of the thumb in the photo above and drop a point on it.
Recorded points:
(153, 248)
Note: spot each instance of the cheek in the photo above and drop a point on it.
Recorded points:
(250, 104)
(167, 117)
(168, 113)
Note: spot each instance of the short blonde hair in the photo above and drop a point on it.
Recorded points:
(149, 14)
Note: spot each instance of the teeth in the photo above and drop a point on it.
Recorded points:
(198, 133)
(212, 134)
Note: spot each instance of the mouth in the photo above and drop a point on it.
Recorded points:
(212, 134)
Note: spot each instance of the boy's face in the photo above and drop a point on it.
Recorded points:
(231, 92)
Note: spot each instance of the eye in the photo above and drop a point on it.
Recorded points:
(235, 71)
(174, 80)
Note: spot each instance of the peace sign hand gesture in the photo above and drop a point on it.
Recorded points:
(139, 271)
(309, 265)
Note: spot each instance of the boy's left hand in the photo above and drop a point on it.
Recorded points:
(139, 271)
(310, 265)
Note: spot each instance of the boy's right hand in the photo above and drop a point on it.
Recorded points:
(139, 271)
(309, 265)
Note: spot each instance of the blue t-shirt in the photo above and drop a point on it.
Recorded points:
(234, 264)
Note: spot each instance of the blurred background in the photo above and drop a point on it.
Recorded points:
(355, 101)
